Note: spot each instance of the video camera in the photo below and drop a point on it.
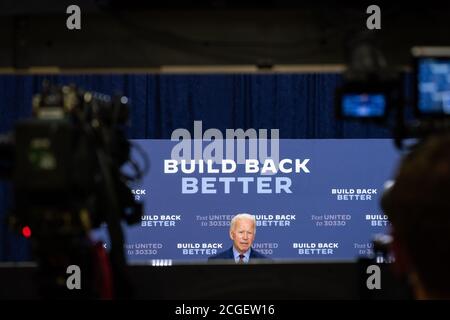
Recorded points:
(373, 93)
(65, 168)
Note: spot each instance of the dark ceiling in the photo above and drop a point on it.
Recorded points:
(147, 34)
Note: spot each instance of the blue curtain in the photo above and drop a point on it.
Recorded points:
(300, 105)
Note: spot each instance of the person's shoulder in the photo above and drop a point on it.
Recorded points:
(227, 254)
(257, 255)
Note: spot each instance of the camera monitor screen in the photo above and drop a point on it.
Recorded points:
(433, 86)
(363, 105)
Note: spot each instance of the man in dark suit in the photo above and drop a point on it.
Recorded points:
(242, 232)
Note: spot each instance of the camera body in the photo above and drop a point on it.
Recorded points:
(66, 159)
(65, 168)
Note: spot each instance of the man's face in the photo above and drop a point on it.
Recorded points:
(243, 234)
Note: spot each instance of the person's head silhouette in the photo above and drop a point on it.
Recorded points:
(418, 205)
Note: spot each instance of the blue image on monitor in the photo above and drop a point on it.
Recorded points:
(433, 86)
(365, 105)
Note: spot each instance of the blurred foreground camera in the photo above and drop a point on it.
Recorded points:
(370, 87)
(67, 158)
(65, 167)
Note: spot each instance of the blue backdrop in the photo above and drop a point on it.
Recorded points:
(300, 105)
(330, 211)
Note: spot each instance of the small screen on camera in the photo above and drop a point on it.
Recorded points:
(363, 105)
(433, 94)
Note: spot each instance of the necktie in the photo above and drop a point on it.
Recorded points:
(241, 259)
